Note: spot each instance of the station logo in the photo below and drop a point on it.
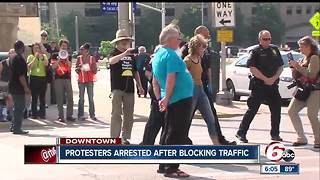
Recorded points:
(276, 151)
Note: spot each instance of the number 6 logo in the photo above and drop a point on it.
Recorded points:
(274, 151)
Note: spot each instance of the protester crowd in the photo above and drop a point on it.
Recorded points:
(177, 77)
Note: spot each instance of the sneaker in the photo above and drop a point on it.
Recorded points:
(82, 118)
(278, 138)
(61, 119)
(242, 138)
(125, 142)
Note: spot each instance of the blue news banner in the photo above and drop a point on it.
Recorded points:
(157, 154)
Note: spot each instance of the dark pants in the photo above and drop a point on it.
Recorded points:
(214, 111)
(261, 93)
(144, 82)
(153, 125)
(38, 87)
(176, 130)
(19, 104)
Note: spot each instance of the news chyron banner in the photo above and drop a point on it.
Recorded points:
(110, 151)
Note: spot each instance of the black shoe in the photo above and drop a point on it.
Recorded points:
(61, 119)
(161, 171)
(34, 117)
(25, 114)
(82, 118)
(226, 142)
(42, 117)
(11, 128)
(94, 118)
(242, 138)
(278, 138)
(71, 119)
(20, 132)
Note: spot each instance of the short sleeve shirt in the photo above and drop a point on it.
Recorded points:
(122, 72)
(267, 61)
(167, 61)
(39, 67)
(18, 68)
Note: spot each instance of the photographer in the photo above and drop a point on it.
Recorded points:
(306, 71)
(122, 71)
(37, 62)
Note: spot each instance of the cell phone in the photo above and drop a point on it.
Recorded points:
(290, 57)
(135, 51)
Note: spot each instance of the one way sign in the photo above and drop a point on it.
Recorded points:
(224, 14)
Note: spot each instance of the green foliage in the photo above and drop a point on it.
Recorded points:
(190, 19)
(105, 47)
(103, 28)
(266, 17)
(148, 30)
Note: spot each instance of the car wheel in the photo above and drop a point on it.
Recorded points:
(231, 89)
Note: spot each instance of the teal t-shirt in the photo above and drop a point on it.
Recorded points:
(167, 61)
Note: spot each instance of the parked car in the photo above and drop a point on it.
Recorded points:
(237, 76)
(3, 55)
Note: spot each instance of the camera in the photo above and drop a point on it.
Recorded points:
(135, 51)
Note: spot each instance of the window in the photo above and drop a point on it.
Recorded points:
(308, 10)
(137, 12)
(253, 10)
(205, 11)
(289, 11)
(243, 62)
(91, 12)
(169, 11)
(299, 10)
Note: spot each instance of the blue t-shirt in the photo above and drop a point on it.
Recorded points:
(167, 61)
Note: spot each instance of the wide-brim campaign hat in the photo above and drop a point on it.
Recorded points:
(121, 35)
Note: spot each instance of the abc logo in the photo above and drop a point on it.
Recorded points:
(276, 151)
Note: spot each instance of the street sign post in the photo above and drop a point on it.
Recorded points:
(224, 17)
(315, 21)
(113, 6)
(224, 35)
(224, 14)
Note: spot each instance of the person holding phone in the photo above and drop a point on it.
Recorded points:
(37, 62)
(307, 70)
(122, 71)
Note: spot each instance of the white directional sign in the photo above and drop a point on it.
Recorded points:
(224, 14)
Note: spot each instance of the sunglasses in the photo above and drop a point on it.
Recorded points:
(266, 39)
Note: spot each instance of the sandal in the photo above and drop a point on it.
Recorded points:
(177, 174)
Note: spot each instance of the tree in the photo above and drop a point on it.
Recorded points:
(104, 28)
(48, 28)
(148, 30)
(190, 19)
(266, 17)
(105, 47)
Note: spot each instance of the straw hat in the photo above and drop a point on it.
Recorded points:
(121, 35)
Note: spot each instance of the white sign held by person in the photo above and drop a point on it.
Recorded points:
(224, 14)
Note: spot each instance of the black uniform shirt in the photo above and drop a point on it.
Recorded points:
(267, 61)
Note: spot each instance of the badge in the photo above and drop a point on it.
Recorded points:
(274, 52)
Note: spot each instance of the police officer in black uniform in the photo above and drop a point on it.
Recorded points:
(206, 74)
(266, 65)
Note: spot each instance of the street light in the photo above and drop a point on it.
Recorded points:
(162, 11)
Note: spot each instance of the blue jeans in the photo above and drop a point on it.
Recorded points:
(200, 101)
(82, 87)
